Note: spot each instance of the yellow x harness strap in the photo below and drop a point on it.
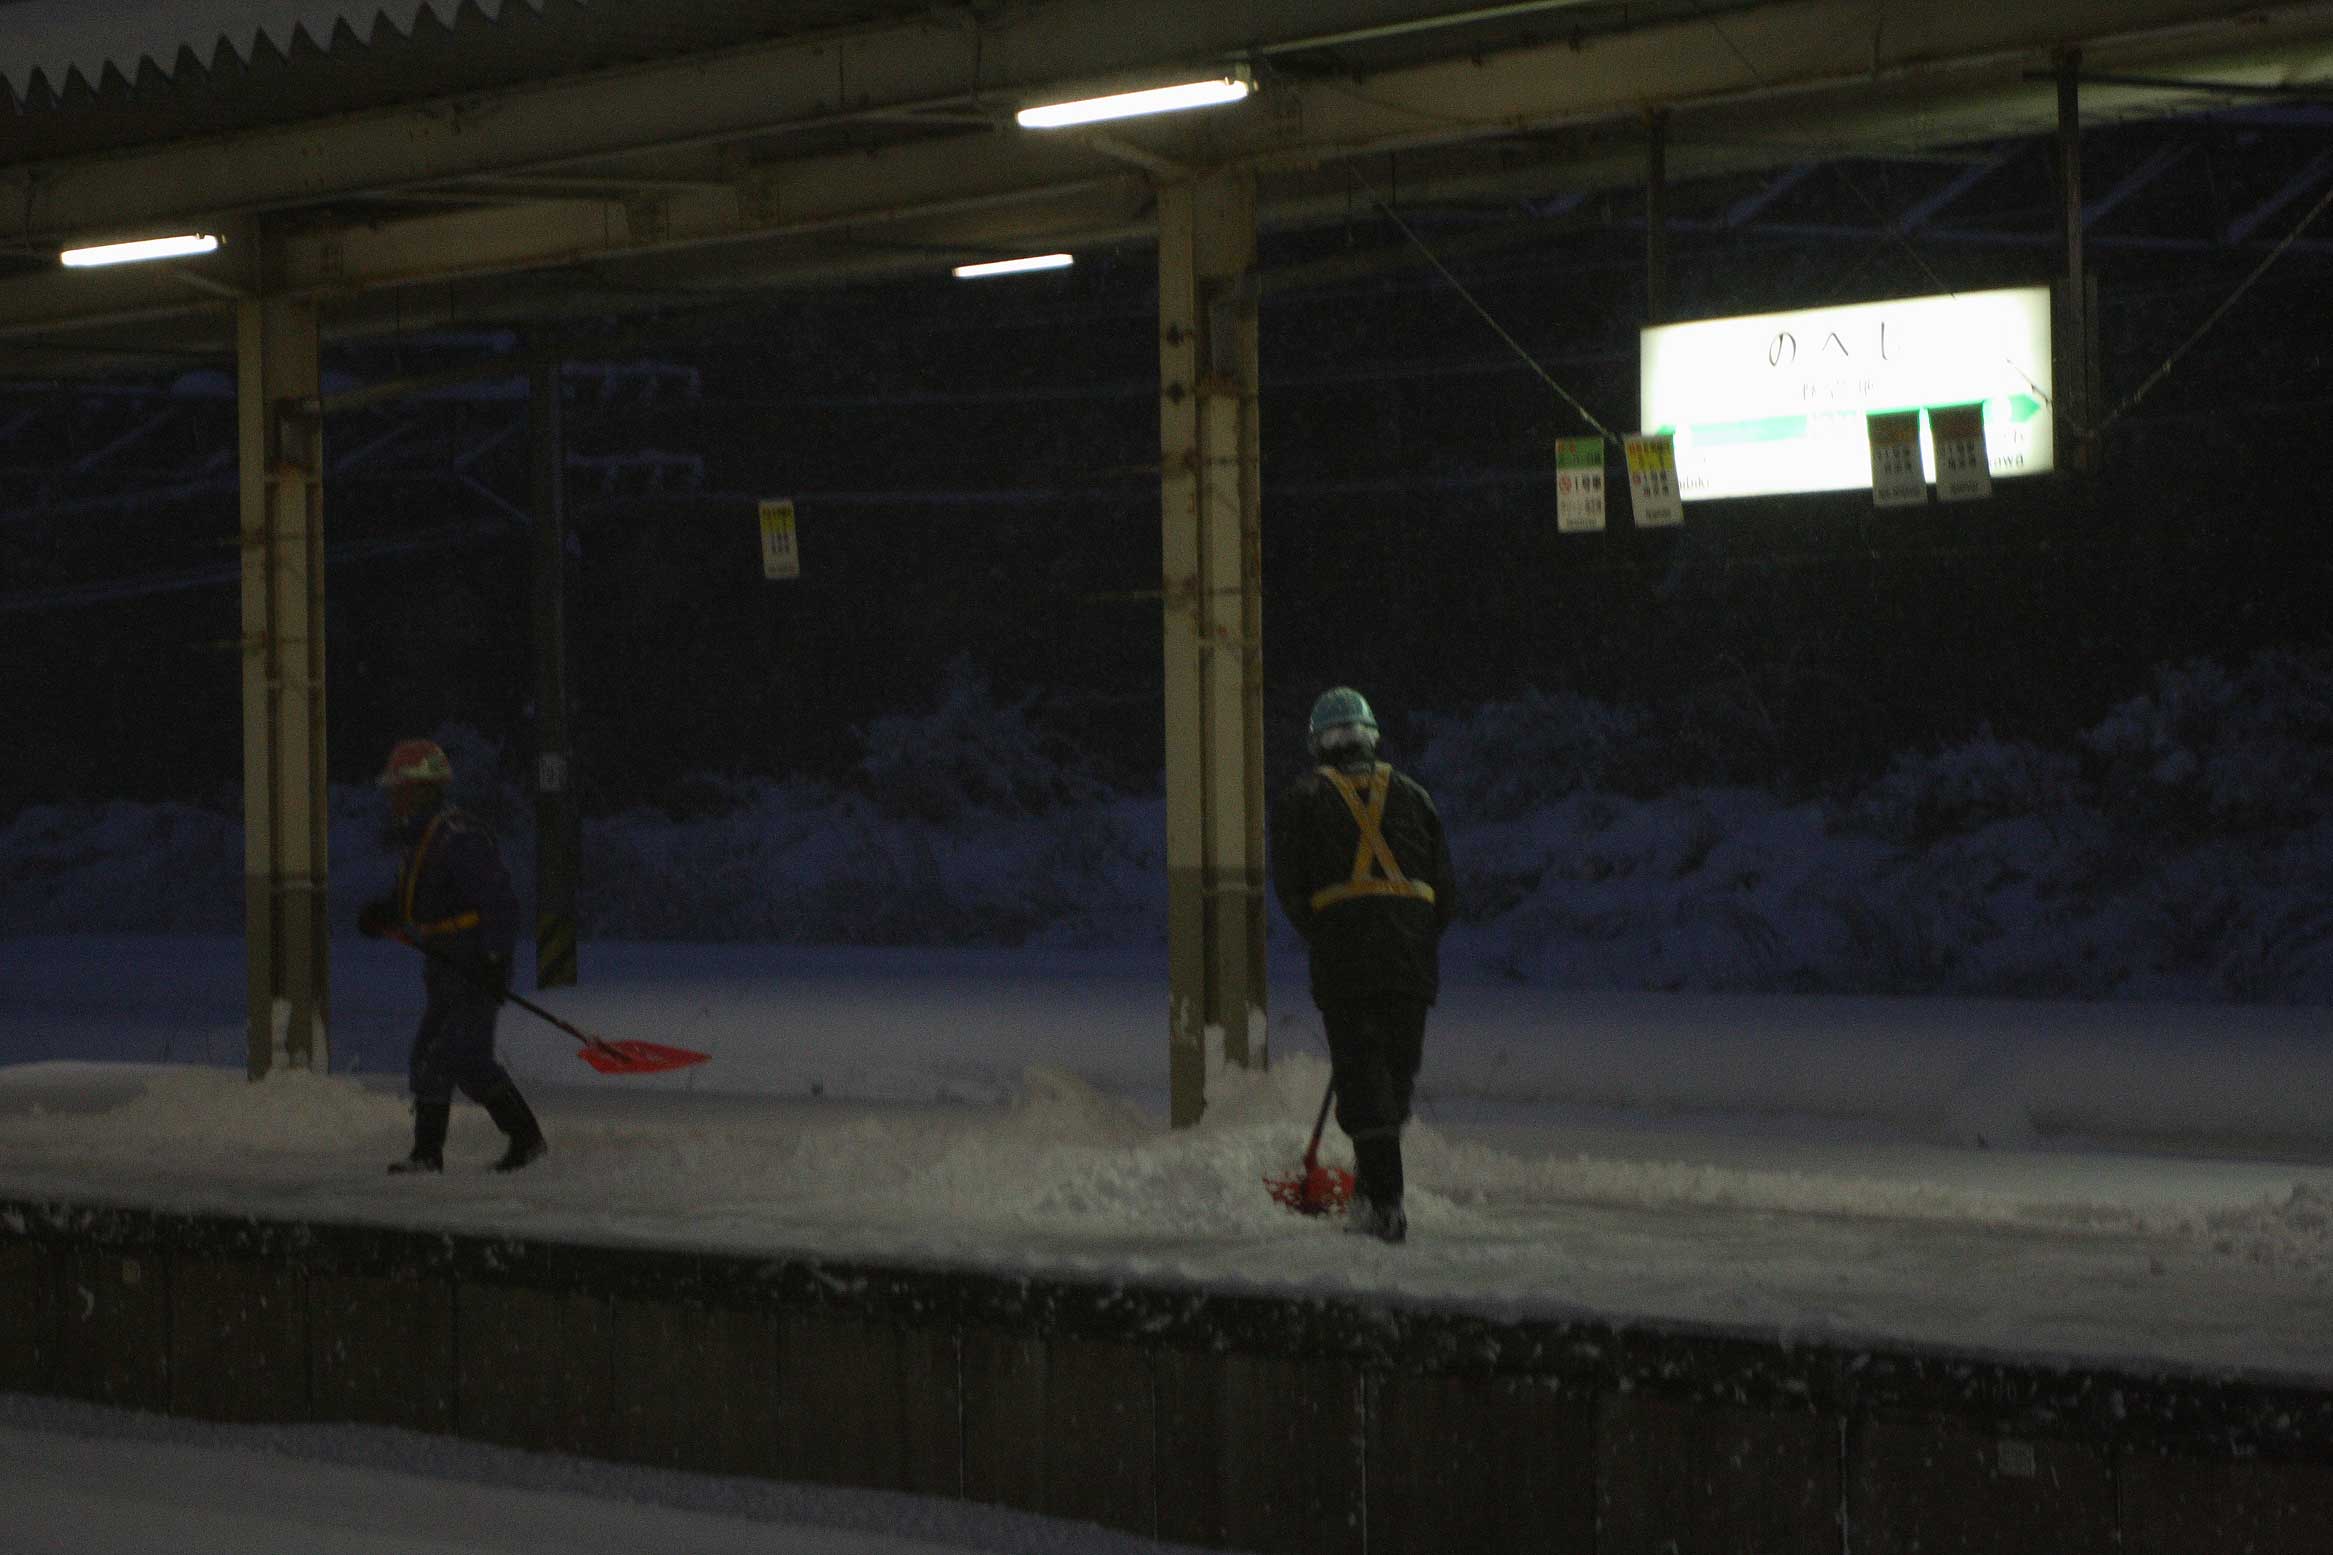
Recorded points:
(1365, 797)
(454, 925)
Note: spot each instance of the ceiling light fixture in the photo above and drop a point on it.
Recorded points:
(1013, 266)
(144, 248)
(1126, 105)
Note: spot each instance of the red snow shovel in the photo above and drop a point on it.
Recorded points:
(617, 1057)
(605, 1056)
(1317, 1189)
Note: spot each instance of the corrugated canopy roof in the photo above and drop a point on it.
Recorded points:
(56, 40)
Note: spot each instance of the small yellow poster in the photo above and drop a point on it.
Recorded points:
(1652, 481)
(779, 556)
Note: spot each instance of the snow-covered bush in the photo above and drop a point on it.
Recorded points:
(801, 863)
(1923, 799)
(1707, 889)
(1988, 867)
(2003, 908)
(1506, 758)
(2281, 950)
(169, 868)
(970, 754)
(2245, 919)
(2205, 750)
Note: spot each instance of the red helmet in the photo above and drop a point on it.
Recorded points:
(416, 761)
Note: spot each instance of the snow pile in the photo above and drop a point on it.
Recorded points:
(153, 1117)
(2293, 1233)
(1063, 1158)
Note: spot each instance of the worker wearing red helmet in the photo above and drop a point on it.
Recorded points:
(454, 901)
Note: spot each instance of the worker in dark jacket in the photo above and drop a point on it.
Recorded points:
(453, 901)
(1362, 869)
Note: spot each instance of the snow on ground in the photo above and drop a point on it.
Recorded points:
(2153, 1185)
(83, 1481)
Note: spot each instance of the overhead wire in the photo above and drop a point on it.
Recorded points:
(1894, 231)
(1517, 346)
(2218, 313)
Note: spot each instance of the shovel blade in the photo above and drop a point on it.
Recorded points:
(1314, 1190)
(638, 1057)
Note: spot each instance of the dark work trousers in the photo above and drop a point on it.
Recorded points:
(455, 1046)
(1375, 1044)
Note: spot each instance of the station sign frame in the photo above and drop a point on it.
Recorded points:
(1774, 404)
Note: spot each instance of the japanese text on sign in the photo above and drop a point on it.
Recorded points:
(1963, 470)
(1897, 480)
(1579, 485)
(1652, 482)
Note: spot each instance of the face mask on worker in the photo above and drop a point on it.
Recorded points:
(1342, 731)
(410, 807)
(1344, 745)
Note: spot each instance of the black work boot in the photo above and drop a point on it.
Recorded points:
(429, 1139)
(514, 1117)
(1385, 1221)
(1377, 1207)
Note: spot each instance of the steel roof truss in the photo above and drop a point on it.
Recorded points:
(2293, 188)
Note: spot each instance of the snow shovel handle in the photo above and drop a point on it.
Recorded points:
(505, 994)
(1320, 1122)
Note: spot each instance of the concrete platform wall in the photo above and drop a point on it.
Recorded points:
(1239, 1421)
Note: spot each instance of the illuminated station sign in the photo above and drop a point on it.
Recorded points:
(1776, 402)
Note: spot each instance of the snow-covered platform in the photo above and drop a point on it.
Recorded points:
(1681, 1268)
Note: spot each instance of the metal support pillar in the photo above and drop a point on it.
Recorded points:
(558, 816)
(1210, 496)
(1656, 217)
(285, 804)
(2074, 313)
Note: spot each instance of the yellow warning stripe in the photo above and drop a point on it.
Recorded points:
(412, 881)
(1371, 850)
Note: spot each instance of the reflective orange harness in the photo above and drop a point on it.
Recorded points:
(1365, 797)
(412, 880)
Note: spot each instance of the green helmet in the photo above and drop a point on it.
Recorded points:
(1341, 717)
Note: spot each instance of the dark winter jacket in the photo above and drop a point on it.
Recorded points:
(454, 897)
(1371, 931)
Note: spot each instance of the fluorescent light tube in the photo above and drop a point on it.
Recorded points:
(144, 248)
(1013, 266)
(1125, 105)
